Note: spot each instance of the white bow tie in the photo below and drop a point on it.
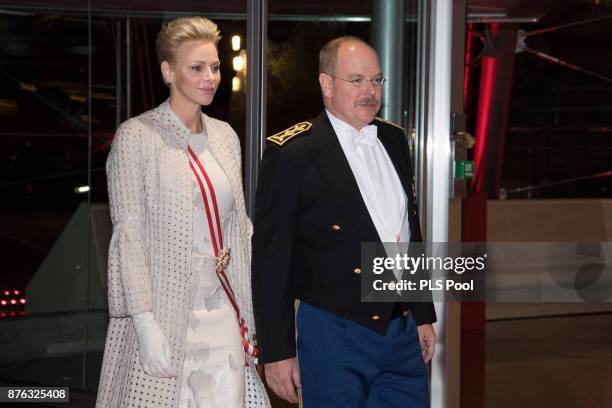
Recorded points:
(364, 137)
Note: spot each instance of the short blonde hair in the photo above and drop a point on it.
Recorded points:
(177, 31)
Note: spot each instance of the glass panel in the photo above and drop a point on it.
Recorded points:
(557, 142)
(295, 36)
(296, 33)
(44, 227)
(411, 30)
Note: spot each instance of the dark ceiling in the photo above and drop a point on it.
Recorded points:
(496, 9)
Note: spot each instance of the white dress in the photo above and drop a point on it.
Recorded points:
(213, 372)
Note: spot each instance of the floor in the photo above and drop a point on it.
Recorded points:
(533, 362)
(560, 362)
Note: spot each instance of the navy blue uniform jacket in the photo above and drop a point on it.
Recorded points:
(310, 221)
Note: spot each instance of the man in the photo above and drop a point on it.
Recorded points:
(326, 186)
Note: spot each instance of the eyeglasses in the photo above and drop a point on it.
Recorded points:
(360, 82)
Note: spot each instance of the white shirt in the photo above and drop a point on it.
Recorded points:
(378, 182)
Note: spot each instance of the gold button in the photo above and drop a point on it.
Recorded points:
(357, 271)
(336, 227)
(405, 313)
(375, 316)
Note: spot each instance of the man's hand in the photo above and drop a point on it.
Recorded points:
(283, 377)
(427, 338)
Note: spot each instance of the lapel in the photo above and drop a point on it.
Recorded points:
(218, 140)
(171, 129)
(398, 151)
(177, 134)
(174, 131)
(331, 161)
(396, 154)
(333, 164)
(221, 137)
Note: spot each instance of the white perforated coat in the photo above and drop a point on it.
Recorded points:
(149, 266)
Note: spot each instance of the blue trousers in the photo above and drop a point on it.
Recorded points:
(344, 364)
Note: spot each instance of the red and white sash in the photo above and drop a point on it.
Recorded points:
(221, 253)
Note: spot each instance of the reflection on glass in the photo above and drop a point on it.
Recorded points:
(44, 225)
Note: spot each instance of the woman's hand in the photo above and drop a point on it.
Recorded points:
(153, 347)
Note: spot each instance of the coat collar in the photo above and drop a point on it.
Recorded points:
(394, 147)
(336, 169)
(174, 130)
(176, 134)
(334, 166)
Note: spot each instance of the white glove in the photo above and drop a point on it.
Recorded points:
(153, 346)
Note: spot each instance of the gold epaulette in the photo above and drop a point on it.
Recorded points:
(282, 137)
(390, 123)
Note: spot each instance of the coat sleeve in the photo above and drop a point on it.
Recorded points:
(274, 228)
(129, 280)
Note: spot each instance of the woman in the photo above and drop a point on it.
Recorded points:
(177, 337)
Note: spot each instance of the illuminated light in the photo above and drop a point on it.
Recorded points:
(3, 302)
(238, 63)
(77, 98)
(16, 292)
(81, 189)
(235, 42)
(487, 83)
(7, 105)
(27, 87)
(7, 293)
(235, 84)
(22, 301)
(13, 302)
